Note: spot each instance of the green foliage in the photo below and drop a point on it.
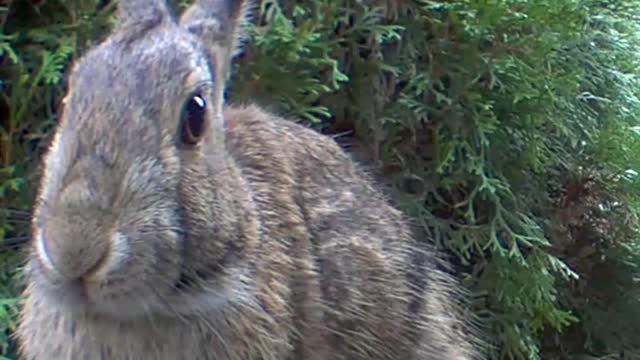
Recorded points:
(303, 44)
(506, 129)
(505, 99)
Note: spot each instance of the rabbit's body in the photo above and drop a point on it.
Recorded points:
(256, 238)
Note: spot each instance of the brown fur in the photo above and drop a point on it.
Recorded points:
(263, 241)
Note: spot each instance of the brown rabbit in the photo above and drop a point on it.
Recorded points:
(169, 226)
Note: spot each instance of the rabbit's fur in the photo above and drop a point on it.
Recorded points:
(262, 240)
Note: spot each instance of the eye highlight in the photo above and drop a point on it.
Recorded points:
(193, 119)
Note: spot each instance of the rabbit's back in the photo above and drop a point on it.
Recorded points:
(361, 286)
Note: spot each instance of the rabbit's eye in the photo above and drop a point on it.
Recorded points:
(193, 120)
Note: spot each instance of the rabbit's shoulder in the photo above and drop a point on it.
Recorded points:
(251, 128)
(279, 146)
(318, 179)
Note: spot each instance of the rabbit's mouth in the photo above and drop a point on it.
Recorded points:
(102, 290)
(119, 300)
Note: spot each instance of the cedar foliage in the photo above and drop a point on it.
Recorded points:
(506, 129)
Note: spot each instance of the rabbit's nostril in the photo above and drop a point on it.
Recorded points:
(94, 272)
(112, 259)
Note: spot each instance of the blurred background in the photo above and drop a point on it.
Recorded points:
(508, 130)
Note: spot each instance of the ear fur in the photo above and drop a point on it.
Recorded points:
(142, 14)
(221, 25)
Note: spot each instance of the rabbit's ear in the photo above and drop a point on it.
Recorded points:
(142, 13)
(221, 25)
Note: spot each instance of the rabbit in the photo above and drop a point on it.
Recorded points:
(172, 225)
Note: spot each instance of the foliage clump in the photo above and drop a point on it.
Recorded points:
(506, 129)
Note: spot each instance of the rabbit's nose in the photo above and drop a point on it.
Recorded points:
(73, 257)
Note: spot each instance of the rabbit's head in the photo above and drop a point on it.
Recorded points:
(139, 201)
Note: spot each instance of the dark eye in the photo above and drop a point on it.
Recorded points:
(193, 120)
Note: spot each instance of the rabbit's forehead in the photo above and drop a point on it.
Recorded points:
(127, 98)
(155, 68)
